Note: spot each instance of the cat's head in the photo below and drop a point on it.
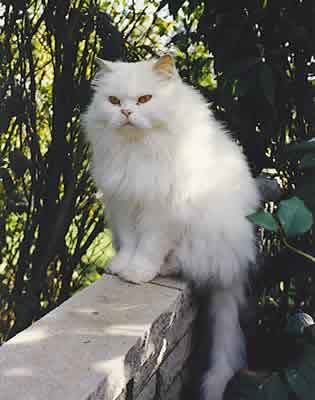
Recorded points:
(137, 95)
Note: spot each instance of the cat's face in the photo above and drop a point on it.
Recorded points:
(135, 95)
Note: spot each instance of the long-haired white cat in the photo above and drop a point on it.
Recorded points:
(177, 191)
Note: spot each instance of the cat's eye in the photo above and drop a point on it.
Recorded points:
(114, 100)
(144, 99)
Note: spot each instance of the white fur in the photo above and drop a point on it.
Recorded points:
(175, 182)
(228, 353)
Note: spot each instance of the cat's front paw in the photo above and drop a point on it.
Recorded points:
(139, 272)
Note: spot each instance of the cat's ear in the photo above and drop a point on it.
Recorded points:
(104, 66)
(165, 66)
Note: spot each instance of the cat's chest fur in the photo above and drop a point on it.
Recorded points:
(136, 170)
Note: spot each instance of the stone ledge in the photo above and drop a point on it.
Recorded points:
(91, 346)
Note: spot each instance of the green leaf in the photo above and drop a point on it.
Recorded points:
(267, 82)
(308, 161)
(294, 216)
(265, 220)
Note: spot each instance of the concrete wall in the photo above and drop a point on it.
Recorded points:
(112, 340)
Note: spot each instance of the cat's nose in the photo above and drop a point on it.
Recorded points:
(126, 112)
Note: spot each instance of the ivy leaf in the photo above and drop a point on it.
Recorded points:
(265, 220)
(294, 216)
(267, 82)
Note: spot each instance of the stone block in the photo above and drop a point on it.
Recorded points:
(149, 390)
(165, 333)
(174, 391)
(93, 344)
(175, 361)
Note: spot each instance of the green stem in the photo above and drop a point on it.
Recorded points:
(300, 252)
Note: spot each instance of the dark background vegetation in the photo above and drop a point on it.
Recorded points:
(254, 62)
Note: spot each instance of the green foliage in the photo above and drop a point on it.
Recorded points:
(292, 216)
(290, 284)
(46, 187)
(297, 377)
(52, 228)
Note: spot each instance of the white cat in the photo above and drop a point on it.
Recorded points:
(177, 189)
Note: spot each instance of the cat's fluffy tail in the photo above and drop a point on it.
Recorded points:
(228, 353)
